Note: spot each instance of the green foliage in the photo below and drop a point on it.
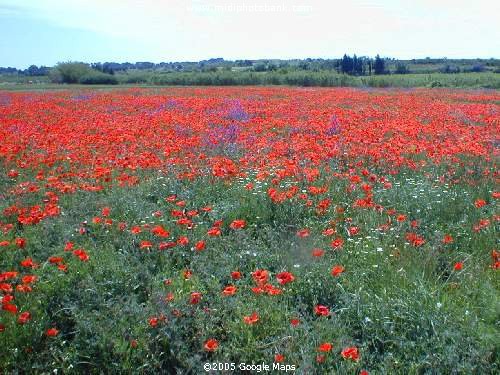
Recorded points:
(98, 78)
(401, 69)
(325, 79)
(76, 72)
(284, 76)
(379, 65)
(395, 304)
(69, 72)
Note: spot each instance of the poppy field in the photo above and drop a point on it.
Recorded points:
(222, 230)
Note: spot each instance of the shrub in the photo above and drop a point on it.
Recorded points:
(132, 78)
(401, 69)
(69, 72)
(436, 84)
(97, 78)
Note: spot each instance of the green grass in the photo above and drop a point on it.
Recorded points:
(486, 80)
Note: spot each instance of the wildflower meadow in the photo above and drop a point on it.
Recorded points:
(226, 229)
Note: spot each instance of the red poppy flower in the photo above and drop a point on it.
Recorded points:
(55, 260)
(183, 241)
(447, 239)
(294, 322)
(195, 298)
(353, 231)
(257, 290)
(400, 218)
(350, 353)
(20, 242)
(337, 243)
(159, 231)
(480, 203)
(146, 244)
(337, 270)
(285, 278)
(260, 277)
(192, 213)
(24, 317)
(271, 290)
(28, 263)
(153, 321)
(278, 358)
(166, 245)
(415, 239)
(458, 266)
(6, 288)
(303, 233)
(8, 275)
(321, 310)
(200, 245)
(9, 307)
(135, 229)
(328, 232)
(62, 267)
(28, 279)
(318, 252)
(252, 319)
(52, 332)
(211, 345)
(176, 213)
(215, 231)
(24, 288)
(236, 275)
(325, 347)
(237, 224)
(229, 290)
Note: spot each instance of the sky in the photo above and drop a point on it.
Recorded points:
(44, 32)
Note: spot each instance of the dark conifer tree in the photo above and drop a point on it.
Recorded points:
(379, 65)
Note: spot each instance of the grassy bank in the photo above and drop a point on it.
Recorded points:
(293, 78)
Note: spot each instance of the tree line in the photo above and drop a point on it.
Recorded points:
(355, 65)
(361, 66)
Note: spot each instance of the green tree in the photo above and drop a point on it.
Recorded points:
(379, 65)
(346, 64)
(70, 72)
(401, 69)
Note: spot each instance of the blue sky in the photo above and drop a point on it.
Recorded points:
(43, 32)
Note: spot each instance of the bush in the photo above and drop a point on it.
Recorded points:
(401, 69)
(477, 68)
(69, 72)
(134, 78)
(97, 78)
